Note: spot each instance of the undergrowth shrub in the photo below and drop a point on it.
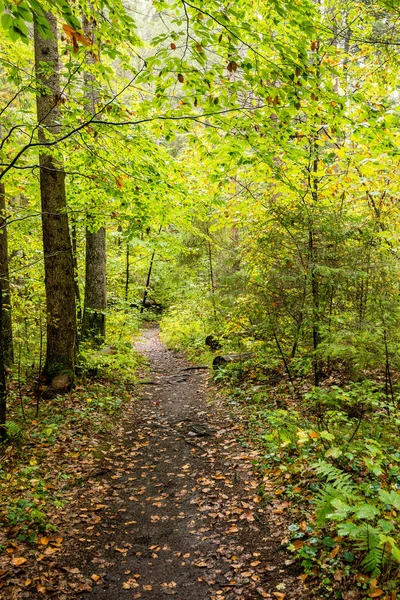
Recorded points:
(337, 453)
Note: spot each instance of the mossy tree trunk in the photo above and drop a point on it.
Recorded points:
(58, 261)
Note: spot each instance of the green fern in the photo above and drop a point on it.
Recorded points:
(334, 475)
(337, 495)
(369, 541)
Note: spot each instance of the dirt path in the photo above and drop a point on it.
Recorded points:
(176, 512)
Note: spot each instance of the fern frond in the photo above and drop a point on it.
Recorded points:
(369, 541)
(335, 476)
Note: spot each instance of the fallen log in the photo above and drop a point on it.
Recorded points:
(222, 360)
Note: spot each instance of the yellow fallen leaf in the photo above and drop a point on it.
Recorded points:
(18, 560)
(28, 582)
(95, 577)
(376, 593)
(148, 588)
(40, 588)
(232, 529)
(279, 595)
(44, 541)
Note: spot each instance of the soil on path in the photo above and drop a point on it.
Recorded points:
(175, 511)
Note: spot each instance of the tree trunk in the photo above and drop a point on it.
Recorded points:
(127, 272)
(6, 331)
(76, 272)
(3, 381)
(94, 320)
(58, 262)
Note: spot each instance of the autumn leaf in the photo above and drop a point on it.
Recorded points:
(44, 541)
(232, 529)
(76, 37)
(18, 561)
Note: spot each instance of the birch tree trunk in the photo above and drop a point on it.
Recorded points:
(58, 262)
(94, 320)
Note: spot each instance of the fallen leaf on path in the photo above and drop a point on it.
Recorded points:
(232, 529)
(18, 561)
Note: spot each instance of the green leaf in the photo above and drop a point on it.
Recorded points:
(7, 20)
(366, 511)
(392, 498)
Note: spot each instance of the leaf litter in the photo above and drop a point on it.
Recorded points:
(163, 512)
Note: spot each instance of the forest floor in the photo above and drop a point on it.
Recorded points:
(171, 509)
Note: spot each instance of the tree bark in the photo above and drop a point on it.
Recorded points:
(58, 262)
(3, 381)
(94, 320)
(6, 321)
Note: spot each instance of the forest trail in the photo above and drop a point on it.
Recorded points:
(177, 512)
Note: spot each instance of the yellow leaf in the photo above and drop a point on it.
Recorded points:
(171, 584)
(232, 529)
(95, 577)
(18, 560)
